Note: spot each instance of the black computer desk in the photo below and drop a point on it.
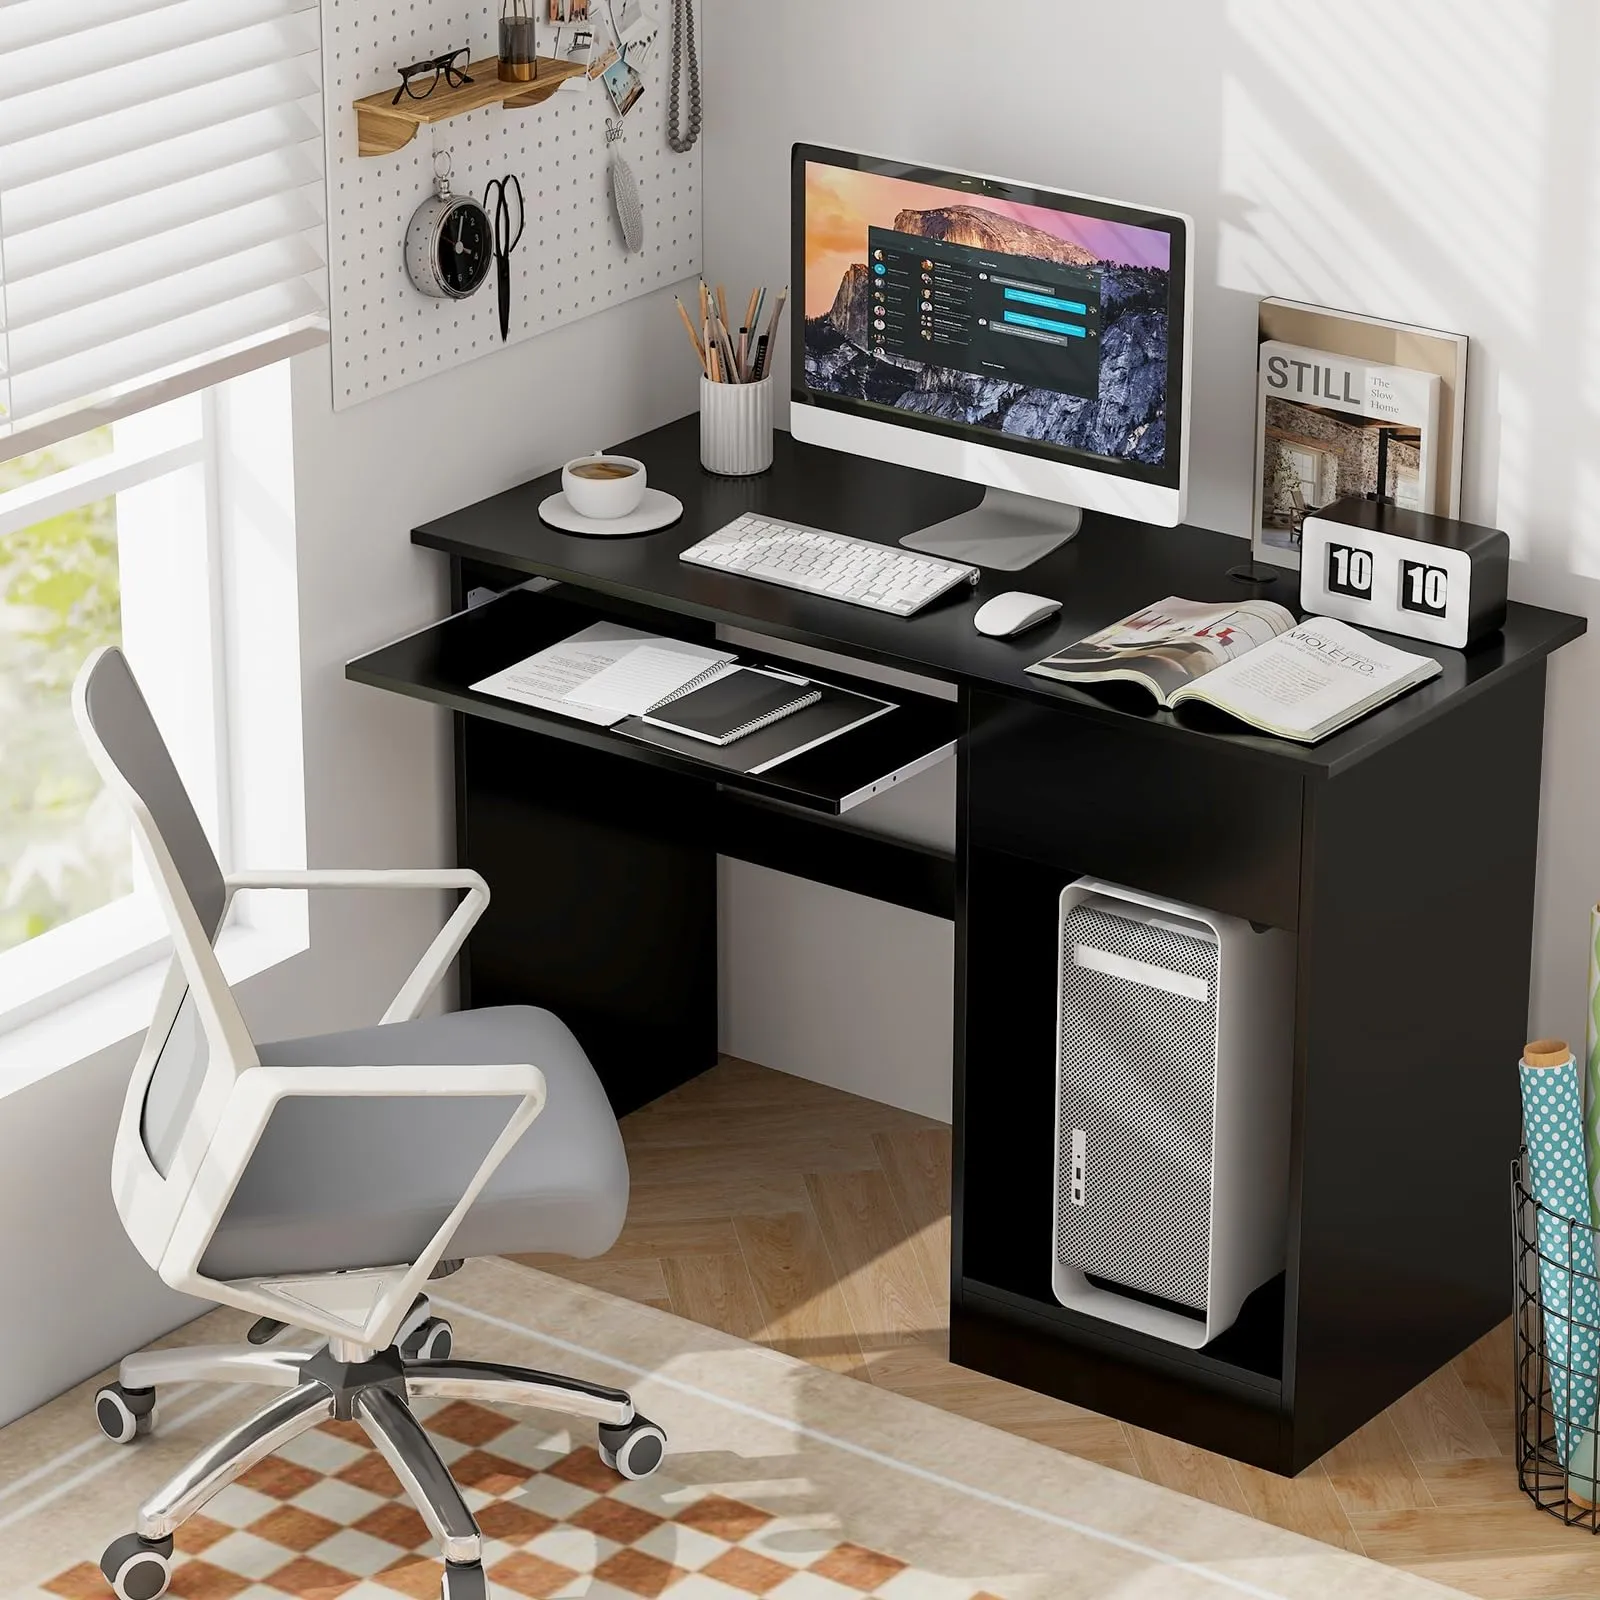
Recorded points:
(1400, 853)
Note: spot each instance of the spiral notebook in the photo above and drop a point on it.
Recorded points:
(735, 703)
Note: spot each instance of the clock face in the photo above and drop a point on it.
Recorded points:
(465, 247)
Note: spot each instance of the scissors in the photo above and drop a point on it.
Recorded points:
(508, 222)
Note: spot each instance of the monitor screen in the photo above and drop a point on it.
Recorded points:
(1019, 317)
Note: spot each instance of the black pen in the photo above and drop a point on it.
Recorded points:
(759, 370)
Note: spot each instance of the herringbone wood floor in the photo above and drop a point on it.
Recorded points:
(818, 1223)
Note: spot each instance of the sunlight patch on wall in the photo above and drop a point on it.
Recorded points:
(1379, 157)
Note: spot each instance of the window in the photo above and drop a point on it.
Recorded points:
(106, 538)
(161, 202)
(162, 250)
(1303, 467)
(59, 598)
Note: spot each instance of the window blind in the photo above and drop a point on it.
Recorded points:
(162, 216)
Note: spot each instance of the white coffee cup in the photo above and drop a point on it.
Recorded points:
(603, 486)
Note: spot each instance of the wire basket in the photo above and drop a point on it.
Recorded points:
(1568, 1490)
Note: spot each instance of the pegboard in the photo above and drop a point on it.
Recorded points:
(571, 261)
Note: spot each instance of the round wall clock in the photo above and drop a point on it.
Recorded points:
(449, 244)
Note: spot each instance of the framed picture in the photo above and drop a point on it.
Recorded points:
(1351, 406)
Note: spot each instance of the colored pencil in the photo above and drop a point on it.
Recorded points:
(724, 350)
(777, 314)
(730, 352)
(688, 328)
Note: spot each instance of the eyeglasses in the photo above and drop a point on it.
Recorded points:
(440, 66)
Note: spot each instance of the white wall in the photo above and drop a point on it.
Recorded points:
(1437, 162)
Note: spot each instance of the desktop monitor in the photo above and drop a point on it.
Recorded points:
(1027, 339)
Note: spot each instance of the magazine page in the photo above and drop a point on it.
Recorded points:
(1318, 677)
(1167, 645)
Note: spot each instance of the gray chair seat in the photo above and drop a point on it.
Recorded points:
(336, 1185)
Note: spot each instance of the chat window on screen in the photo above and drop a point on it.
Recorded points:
(1014, 318)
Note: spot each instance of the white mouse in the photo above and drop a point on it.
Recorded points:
(1012, 613)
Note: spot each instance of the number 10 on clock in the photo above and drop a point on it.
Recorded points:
(1350, 571)
(1424, 589)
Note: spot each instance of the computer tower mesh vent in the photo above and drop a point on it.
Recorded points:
(1137, 1081)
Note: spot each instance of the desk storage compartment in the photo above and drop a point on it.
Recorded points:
(1130, 802)
(1005, 1190)
(441, 663)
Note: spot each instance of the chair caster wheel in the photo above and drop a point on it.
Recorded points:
(464, 1582)
(635, 1449)
(264, 1330)
(137, 1569)
(429, 1341)
(124, 1414)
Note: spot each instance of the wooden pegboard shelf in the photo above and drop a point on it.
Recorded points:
(383, 128)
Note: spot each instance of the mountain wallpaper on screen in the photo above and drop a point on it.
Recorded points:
(1126, 421)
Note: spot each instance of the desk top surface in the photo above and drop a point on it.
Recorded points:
(1113, 567)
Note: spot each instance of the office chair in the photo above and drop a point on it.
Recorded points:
(321, 1182)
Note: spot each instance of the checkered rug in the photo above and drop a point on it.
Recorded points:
(326, 1517)
(781, 1479)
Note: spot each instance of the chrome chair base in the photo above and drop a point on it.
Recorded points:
(321, 1382)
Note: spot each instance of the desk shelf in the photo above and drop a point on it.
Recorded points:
(440, 664)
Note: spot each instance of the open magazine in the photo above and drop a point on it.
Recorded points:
(1251, 660)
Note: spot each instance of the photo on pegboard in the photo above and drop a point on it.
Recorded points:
(574, 258)
(623, 85)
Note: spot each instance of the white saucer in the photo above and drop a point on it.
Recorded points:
(656, 510)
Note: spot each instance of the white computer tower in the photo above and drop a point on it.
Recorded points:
(1174, 1034)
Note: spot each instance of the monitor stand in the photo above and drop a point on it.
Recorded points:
(1005, 530)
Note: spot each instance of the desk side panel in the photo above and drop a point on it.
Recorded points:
(1412, 1004)
(604, 902)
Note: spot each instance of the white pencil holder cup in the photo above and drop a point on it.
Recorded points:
(736, 427)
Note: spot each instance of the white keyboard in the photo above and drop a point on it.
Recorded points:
(832, 564)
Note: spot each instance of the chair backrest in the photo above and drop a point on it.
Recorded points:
(197, 1017)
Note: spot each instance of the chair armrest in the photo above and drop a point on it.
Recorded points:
(258, 1091)
(358, 878)
(436, 959)
(258, 1087)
